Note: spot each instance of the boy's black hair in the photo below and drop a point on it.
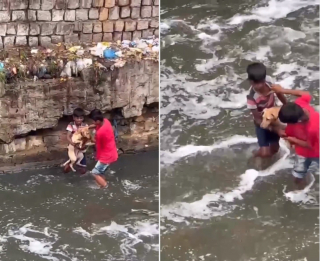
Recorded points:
(78, 112)
(290, 113)
(257, 72)
(96, 115)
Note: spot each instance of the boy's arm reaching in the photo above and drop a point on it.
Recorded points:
(282, 98)
(298, 142)
(279, 90)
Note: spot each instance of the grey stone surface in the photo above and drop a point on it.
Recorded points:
(156, 32)
(1, 43)
(87, 28)
(156, 2)
(34, 29)
(154, 23)
(155, 11)
(147, 33)
(142, 24)
(73, 4)
(57, 15)
(11, 29)
(146, 11)
(108, 27)
(97, 27)
(70, 15)
(86, 38)
(78, 26)
(23, 29)
(61, 4)
(34, 4)
(146, 2)
(64, 28)
(136, 35)
(32, 15)
(55, 39)
(21, 41)
(119, 26)
(114, 13)
(4, 16)
(107, 37)
(43, 15)
(125, 12)
(97, 38)
(117, 36)
(33, 41)
(130, 26)
(97, 3)
(18, 4)
(3, 30)
(135, 3)
(81, 14)
(94, 13)
(47, 4)
(47, 28)
(9, 41)
(135, 12)
(127, 36)
(104, 14)
(72, 38)
(109, 3)
(123, 2)
(45, 41)
(85, 3)
(19, 15)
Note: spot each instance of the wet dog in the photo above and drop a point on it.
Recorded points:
(270, 118)
(80, 137)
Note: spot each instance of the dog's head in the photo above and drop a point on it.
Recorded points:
(269, 116)
(85, 133)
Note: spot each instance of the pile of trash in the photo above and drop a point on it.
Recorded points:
(64, 61)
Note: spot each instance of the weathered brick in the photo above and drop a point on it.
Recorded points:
(96, 38)
(85, 3)
(45, 41)
(23, 29)
(97, 27)
(114, 13)
(109, 3)
(135, 3)
(34, 29)
(125, 12)
(64, 28)
(119, 26)
(94, 13)
(146, 11)
(4, 16)
(108, 27)
(34, 4)
(1, 43)
(47, 4)
(104, 14)
(130, 26)
(3, 30)
(73, 4)
(107, 37)
(147, 33)
(87, 28)
(32, 15)
(43, 15)
(33, 41)
(77, 27)
(85, 38)
(155, 2)
(142, 24)
(21, 40)
(136, 35)
(70, 15)
(97, 3)
(135, 12)
(9, 40)
(156, 32)
(123, 2)
(18, 16)
(127, 36)
(57, 15)
(72, 38)
(117, 36)
(55, 39)
(47, 28)
(155, 11)
(61, 4)
(18, 4)
(146, 2)
(11, 29)
(154, 23)
(81, 14)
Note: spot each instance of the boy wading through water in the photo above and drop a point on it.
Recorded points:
(106, 150)
(302, 131)
(77, 123)
(261, 97)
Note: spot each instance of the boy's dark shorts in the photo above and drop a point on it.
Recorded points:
(84, 161)
(266, 137)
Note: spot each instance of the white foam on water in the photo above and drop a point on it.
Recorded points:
(201, 209)
(130, 186)
(275, 9)
(82, 232)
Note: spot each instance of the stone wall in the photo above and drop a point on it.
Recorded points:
(46, 22)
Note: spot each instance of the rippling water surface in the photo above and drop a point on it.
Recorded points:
(218, 203)
(47, 215)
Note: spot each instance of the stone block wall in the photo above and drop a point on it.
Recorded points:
(46, 22)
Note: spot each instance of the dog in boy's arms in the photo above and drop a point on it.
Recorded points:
(80, 138)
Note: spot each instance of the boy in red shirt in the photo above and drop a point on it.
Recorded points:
(106, 150)
(302, 130)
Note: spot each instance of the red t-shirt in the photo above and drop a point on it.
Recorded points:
(306, 131)
(105, 143)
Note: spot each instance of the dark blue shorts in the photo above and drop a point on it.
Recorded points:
(84, 161)
(266, 137)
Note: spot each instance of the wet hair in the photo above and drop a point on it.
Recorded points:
(78, 112)
(257, 72)
(96, 115)
(290, 113)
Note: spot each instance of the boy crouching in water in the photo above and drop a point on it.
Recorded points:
(77, 123)
(106, 150)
